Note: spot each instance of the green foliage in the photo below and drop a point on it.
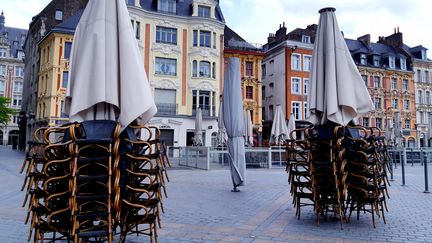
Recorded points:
(5, 111)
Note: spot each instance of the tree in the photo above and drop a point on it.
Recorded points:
(5, 111)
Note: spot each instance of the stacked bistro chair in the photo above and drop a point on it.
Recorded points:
(48, 189)
(142, 182)
(364, 158)
(96, 150)
(298, 169)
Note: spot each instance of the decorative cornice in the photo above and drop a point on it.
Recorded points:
(204, 52)
(167, 23)
(166, 49)
(204, 85)
(165, 84)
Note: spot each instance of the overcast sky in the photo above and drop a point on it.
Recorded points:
(255, 19)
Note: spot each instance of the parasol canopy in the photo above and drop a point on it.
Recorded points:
(197, 140)
(337, 91)
(279, 131)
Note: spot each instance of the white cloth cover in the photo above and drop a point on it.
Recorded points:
(292, 126)
(389, 133)
(337, 91)
(107, 79)
(197, 140)
(232, 108)
(221, 135)
(279, 131)
(248, 129)
(397, 129)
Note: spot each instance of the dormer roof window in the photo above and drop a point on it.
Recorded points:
(403, 63)
(168, 6)
(203, 11)
(423, 54)
(363, 59)
(376, 61)
(59, 15)
(306, 39)
(391, 62)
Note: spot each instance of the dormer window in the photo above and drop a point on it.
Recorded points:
(59, 15)
(168, 6)
(363, 59)
(20, 54)
(423, 54)
(376, 61)
(306, 39)
(391, 62)
(403, 63)
(203, 11)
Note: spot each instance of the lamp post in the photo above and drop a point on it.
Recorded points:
(22, 126)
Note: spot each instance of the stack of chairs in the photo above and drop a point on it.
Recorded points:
(95, 151)
(363, 157)
(142, 182)
(48, 160)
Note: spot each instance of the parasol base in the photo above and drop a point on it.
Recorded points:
(235, 189)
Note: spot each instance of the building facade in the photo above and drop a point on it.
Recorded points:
(422, 67)
(251, 74)
(52, 15)
(11, 76)
(286, 70)
(55, 49)
(182, 47)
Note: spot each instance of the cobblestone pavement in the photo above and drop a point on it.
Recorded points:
(201, 208)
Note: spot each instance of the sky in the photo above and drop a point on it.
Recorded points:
(255, 19)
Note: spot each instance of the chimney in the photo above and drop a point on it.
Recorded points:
(281, 33)
(395, 40)
(271, 38)
(365, 39)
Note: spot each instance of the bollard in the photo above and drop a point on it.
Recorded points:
(403, 166)
(391, 170)
(394, 156)
(425, 173)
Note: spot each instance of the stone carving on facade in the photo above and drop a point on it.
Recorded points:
(209, 2)
(204, 26)
(249, 105)
(165, 84)
(166, 23)
(166, 49)
(204, 52)
(204, 85)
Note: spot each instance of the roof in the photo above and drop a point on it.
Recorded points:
(356, 46)
(184, 8)
(70, 24)
(15, 38)
(234, 41)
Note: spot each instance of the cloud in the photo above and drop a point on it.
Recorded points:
(19, 13)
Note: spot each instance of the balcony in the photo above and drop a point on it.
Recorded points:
(205, 110)
(165, 109)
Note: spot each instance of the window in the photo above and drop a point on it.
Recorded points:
(295, 62)
(137, 29)
(16, 100)
(420, 115)
(205, 38)
(271, 112)
(406, 104)
(249, 92)
(427, 97)
(19, 71)
(58, 14)
(366, 121)
(20, 54)
(3, 70)
(214, 70)
(263, 68)
(194, 68)
(377, 81)
(305, 109)
(423, 54)
(407, 123)
(391, 62)
(166, 35)
(363, 59)
(305, 86)
(165, 100)
(378, 122)
(263, 93)
(202, 101)
(403, 63)
(67, 50)
(365, 79)
(65, 79)
(394, 103)
(271, 86)
(166, 66)
(249, 69)
(214, 40)
(204, 69)
(295, 86)
(296, 110)
(195, 38)
(203, 11)
(2, 86)
(426, 74)
(393, 83)
(420, 97)
(377, 103)
(3, 52)
(168, 6)
(18, 86)
(307, 63)
(306, 39)
(62, 113)
(376, 61)
(405, 84)
(130, 2)
(419, 76)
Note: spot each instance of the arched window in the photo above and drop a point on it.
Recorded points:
(420, 97)
(204, 69)
(194, 68)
